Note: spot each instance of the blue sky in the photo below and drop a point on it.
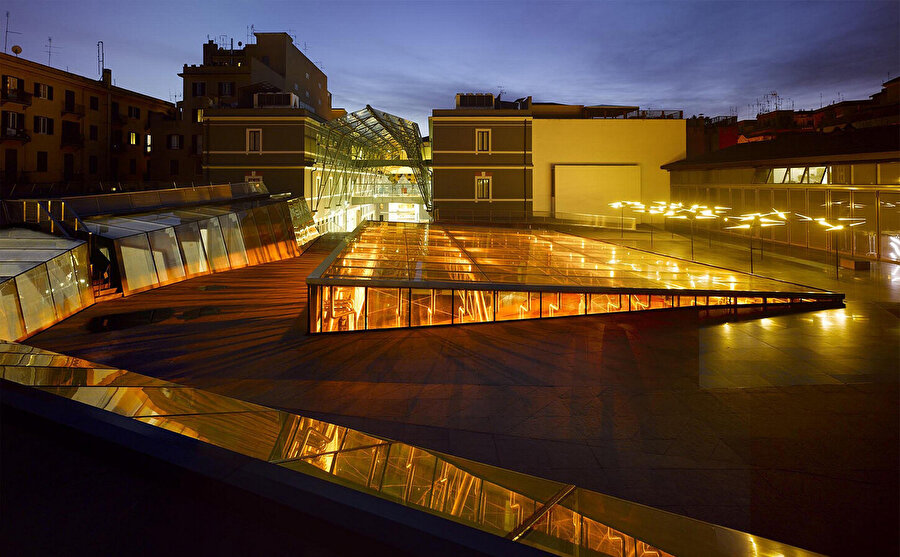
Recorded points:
(410, 57)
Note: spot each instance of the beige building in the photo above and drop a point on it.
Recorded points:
(505, 160)
(65, 133)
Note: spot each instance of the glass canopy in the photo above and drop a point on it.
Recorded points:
(169, 245)
(408, 275)
(43, 280)
(555, 517)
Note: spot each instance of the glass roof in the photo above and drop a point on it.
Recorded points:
(406, 254)
(22, 249)
(514, 505)
(120, 226)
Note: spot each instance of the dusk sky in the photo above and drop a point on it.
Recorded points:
(408, 58)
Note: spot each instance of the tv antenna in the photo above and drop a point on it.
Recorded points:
(49, 46)
(7, 33)
(501, 92)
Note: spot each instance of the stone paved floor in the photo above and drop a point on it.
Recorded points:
(784, 426)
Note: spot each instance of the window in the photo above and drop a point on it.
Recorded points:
(174, 141)
(134, 112)
(226, 88)
(482, 187)
(92, 164)
(173, 167)
(197, 144)
(198, 88)
(132, 166)
(95, 103)
(42, 161)
(43, 125)
(11, 83)
(254, 141)
(14, 120)
(93, 133)
(198, 115)
(42, 91)
(482, 141)
(147, 146)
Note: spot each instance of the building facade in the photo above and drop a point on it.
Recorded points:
(243, 114)
(843, 177)
(65, 133)
(506, 160)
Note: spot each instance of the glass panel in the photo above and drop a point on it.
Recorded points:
(686, 301)
(431, 307)
(865, 235)
(504, 509)
(461, 495)
(35, 298)
(840, 208)
(421, 478)
(605, 540)
(889, 221)
(816, 210)
(518, 305)
(213, 244)
(255, 255)
(816, 174)
(81, 260)
(267, 243)
(192, 247)
(777, 176)
(558, 304)
(840, 174)
(138, 270)
(779, 202)
(387, 308)
(234, 240)
(795, 175)
(474, 306)
(11, 325)
(166, 255)
(342, 308)
(798, 225)
(396, 472)
(889, 173)
(606, 303)
(64, 285)
(638, 302)
(279, 234)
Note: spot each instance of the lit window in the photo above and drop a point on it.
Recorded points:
(482, 188)
(482, 141)
(199, 115)
(777, 176)
(816, 174)
(147, 141)
(795, 175)
(254, 141)
(132, 138)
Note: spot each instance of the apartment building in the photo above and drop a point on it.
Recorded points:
(65, 133)
(505, 160)
(244, 116)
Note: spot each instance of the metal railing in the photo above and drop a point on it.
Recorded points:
(489, 216)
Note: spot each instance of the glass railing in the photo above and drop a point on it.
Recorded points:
(558, 518)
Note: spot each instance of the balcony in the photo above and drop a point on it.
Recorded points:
(72, 140)
(14, 134)
(76, 110)
(15, 96)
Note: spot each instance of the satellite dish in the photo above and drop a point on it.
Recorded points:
(17, 49)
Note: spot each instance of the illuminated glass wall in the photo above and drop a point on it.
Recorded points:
(159, 248)
(35, 294)
(358, 308)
